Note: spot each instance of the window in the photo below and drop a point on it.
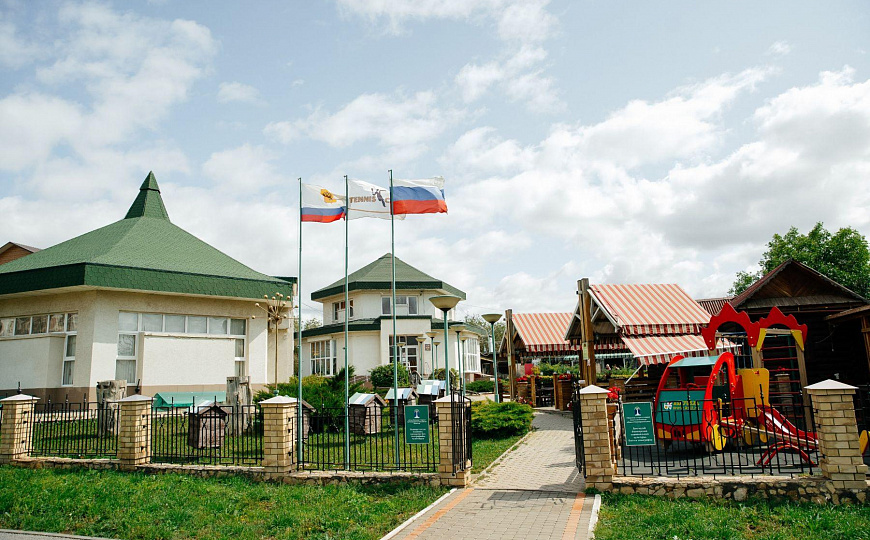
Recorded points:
(7, 327)
(197, 325)
(338, 311)
(125, 365)
(472, 355)
(56, 323)
(69, 360)
(408, 351)
(218, 326)
(323, 357)
(22, 326)
(237, 328)
(174, 323)
(72, 322)
(405, 305)
(152, 322)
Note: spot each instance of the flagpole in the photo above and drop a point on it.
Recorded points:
(393, 312)
(346, 327)
(299, 340)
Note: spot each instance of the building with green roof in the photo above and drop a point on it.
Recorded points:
(140, 300)
(371, 328)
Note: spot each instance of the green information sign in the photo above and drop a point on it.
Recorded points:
(416, 424)
(637, 419)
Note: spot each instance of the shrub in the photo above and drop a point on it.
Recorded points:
(491, 420)
(326, 394)
(382, 376)
(454, 377)
(546, 369)
(480, 386)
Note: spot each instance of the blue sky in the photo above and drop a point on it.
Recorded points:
(621, 141)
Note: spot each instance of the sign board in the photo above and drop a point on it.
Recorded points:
(427, 347)
(416, 424)
(637, 420)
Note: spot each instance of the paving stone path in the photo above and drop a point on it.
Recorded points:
(534, 492)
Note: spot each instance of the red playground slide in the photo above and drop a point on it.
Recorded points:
(788, 436)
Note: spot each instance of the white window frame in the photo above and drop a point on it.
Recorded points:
(472, 355)
(338, 311)
(323, 363)
(240, 361)
(68, 360)
(403, 304)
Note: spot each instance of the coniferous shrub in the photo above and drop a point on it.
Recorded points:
(495, 420)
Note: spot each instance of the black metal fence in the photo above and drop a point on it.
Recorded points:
(75, 429)
(375, 442)
(460, 414)
(207, 434)
(862, 415)
(724, 438)
(576, 412)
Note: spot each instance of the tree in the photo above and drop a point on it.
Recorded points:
(477, 321)
(313, 322)
(842, 256)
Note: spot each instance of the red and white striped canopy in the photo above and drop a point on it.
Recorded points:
(660, 349)
(644, 309)
(544, 332)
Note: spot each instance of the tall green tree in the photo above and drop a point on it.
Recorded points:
(842, 256)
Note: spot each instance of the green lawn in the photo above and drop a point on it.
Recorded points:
(140, 506)
(639, 518)
(485, 451)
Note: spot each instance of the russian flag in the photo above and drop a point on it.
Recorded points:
(419, 196)
(319, 205)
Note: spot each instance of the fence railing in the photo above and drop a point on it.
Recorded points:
(373, 435)
(207, 434)
(78, 430)
(724, 438)
(862, 413)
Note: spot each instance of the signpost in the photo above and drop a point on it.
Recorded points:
(638, 422)
(417, 424)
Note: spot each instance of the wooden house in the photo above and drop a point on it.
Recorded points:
(407, 396)
(365, 412)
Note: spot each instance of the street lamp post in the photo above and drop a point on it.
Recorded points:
(445, 303)
(460, 352)
(434, 352)
(493, 318)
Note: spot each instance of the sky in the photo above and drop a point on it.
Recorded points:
(626, 142)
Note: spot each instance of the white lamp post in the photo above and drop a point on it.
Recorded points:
(460, 351)
(434, 352)
(493, 318)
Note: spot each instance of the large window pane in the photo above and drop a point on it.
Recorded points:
(68, 373)
(217, 326)
(174, 323)
(385, 305)
(22, 326)
(128, 322)
(412, 305)
(197, 325)
(71, 346)
(126, 345)
(240, 348)
(7, 327)
(72, 322)
(39, 324)
(125, 370)
(237, 327)
(152, 322)
(55, 322)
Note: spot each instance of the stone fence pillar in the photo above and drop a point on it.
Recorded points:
(445, 447)
(134, 431)
(16, 427)
(837, 433)
(598, 465)
(279, 433)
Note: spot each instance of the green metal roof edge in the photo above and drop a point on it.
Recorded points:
(368, 325)
(119, 277)
(386, 285)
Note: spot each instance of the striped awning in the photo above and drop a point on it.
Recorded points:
(660, 349)
(544, 332)
(644, 309)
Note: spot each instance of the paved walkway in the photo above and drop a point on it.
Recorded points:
(535, 492)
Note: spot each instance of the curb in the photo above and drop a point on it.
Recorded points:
(413, 518)
(593, 518)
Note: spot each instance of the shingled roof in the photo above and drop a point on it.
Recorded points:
(377, 276)
(143, 251)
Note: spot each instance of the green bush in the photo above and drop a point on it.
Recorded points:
(326, 394)
(492, 420)
(546, 369)
(382, 376)
(480, 386)
(438, 374)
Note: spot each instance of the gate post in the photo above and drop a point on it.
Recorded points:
(596, 438)
(279, 423)
(134, 431)
(16, 430)
(449, 475)
(837, 433)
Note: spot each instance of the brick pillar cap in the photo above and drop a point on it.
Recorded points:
(134, 398)
(592, 390)
(19, 397)
(829, 384)
(278, 400)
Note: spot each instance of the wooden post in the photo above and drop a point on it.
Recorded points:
(587, 331)
(509, 341)
(532, 383)
(865, 331)
(239, 398)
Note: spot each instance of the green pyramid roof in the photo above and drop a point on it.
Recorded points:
(377, 276)
(143, 251)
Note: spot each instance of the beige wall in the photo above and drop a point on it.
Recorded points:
(32, 362)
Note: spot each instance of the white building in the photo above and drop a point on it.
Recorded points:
(140, 300)
(371, 325)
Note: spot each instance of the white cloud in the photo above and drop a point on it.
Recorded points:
(236, 91)
(779, 48)
(15, 52)
(246, 167)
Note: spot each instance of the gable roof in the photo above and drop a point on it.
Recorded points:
(377, 275)
(143, 251)
(713, 305)
(543, 332)
(650, 308)
(10, 245)
(793, 283)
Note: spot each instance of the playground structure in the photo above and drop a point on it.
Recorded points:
(707, 401)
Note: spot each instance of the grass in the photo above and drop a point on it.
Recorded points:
(485, 451)
(138, 506)
(640, 517)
